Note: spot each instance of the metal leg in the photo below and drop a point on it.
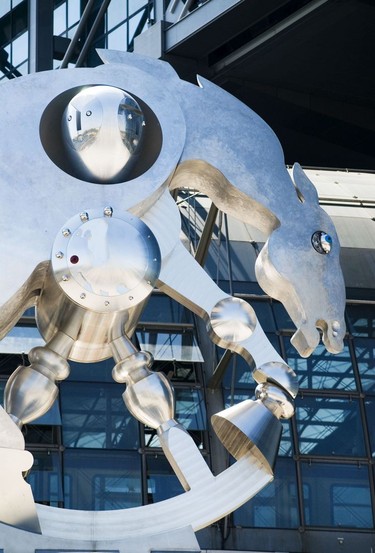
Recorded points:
(31, 390)
(149, 397)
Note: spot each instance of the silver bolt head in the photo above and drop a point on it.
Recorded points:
(82, 296)
(84, 216)
(108, 211)
(66, 232)
(59, 255)
(106, 303)
(65, 278)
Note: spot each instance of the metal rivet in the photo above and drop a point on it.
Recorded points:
(59, 255)
(130, 116)
(155, 259)
(149, 282)
(84, 216)
(108, 211)
(131, 297)
(82, 296)
(65, 278)
(88, 113)
(106, 303)
(66, 232)
(69, 118)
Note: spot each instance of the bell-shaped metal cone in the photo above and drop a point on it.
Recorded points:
(249, 427)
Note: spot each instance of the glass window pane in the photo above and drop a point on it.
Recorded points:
(322, 370)
(239, 374)
(264, 313)
(365, 355)
(329, 426)
(361, 319)
(92, 372)
(168, 346)
(135, 5)
(59, 20)
(243, 257)
(190, 409)
(336, 495)
(275, 506)
(177, 370)
(286, 443)
(21, 339)
(9, 363)
(45, 478)
(39, 435)
(74, 12)
(162, 483)
(238, 396)
(116, 12)
(283, 321)
(163, 309)
(20, 49)
(95, 416)
(102, 480)
(116, 40)
(4, 7)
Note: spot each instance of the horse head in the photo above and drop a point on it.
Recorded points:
(299, 265)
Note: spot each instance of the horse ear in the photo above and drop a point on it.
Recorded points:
(305, 189)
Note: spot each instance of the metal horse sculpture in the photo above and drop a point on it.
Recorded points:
(96, 229)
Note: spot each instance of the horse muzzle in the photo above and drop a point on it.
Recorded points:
(307, 337)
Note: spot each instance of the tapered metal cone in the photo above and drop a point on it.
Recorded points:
(249, 427)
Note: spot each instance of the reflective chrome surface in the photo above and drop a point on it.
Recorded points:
(124, 239)
(233, 319)
(276, 400)
(249, 427)
(102, 132)
(280, 373)
(106, 261)
(17, 507)
(31, 390)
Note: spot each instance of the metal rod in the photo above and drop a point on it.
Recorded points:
(218, 373)
(77, 34)
(90, 36)
(205, 239)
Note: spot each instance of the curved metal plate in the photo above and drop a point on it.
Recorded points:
(44, 194)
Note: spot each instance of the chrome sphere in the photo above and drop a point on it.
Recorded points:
(102, 131)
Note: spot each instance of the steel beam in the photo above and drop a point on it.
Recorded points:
(40, 35)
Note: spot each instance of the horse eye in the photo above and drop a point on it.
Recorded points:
(322, 242)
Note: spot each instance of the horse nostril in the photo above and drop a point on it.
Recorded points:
(335, 328)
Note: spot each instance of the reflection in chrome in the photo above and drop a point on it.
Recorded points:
(102, 131)
(322, 242)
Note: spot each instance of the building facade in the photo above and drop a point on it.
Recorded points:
(89, 452)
